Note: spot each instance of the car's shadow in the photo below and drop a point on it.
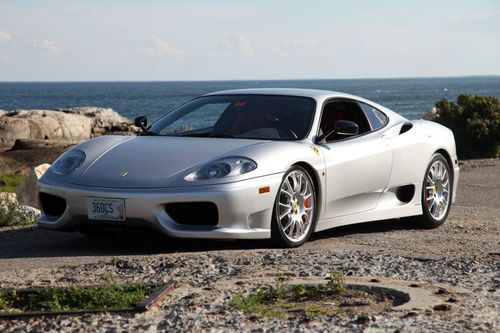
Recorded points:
(34, 242)
(366, 228)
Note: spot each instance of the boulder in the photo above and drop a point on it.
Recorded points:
(43, 124)
(104, 120)
(431, 114)
(23, 144)
(71, 125)
(25, 159)
(27, 191)
(30, 211)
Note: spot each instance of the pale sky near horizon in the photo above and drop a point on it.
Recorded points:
(77, 40)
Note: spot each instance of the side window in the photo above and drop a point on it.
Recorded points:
(342, 110)
(376, 118)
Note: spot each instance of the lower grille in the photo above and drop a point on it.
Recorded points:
(193, 213)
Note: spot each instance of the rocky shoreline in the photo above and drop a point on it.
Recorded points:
(68, 125)
(31, 137)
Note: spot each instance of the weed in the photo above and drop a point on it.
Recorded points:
(314, 310)
(279, 290)
(299, 290)
(253, 302)
(109, 296)
(280, 299)
(336, 281)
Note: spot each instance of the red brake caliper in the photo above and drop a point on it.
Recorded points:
(306, 205)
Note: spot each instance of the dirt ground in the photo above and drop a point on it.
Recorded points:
(462, 256)
(472, 231)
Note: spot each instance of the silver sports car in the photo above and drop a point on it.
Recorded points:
(257, 163)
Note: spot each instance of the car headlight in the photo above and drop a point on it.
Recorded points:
(224, 167)
(68, 162)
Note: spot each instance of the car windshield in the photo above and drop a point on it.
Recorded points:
(265, 117)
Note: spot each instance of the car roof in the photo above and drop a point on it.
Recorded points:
(313, 93)
(318, 95)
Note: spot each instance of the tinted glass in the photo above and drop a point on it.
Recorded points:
(203, 117)
(376, 118)
(240, 116)
(342, 110)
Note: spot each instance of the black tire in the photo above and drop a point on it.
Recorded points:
(278, 235)
(428, 220)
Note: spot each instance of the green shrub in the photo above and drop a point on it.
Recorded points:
(12, 213)
(475, 121)
(9, 181)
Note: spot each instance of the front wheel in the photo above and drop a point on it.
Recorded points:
(436, 193)
(294, 209)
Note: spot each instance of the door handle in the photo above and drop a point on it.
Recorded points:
(386, 139)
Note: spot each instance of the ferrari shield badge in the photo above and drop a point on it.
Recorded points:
(316, 150)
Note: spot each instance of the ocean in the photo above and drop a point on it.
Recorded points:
(411, 97)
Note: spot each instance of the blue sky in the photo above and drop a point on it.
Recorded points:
(57, 40)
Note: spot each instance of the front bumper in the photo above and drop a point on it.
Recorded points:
(244, 213)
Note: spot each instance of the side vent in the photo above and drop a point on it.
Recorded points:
(405, 128)
(405, 193)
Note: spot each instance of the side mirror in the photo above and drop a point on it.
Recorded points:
(142, 122)
(342, 127)
(346, 127)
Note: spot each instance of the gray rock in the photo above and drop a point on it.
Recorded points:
(26, 191)
(70, 125)
(431, 114)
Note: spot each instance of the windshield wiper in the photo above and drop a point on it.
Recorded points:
(148, 133)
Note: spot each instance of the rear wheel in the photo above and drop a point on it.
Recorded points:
(436, 193)
(294, 209)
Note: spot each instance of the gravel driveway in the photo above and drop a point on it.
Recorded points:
(462, 256)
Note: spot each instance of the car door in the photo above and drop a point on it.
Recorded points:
(357, 167)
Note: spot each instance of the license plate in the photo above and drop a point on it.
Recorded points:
(106, 209)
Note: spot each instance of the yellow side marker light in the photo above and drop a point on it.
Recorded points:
(263, 190)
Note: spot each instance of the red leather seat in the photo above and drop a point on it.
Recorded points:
(330, 116)
(248, 120)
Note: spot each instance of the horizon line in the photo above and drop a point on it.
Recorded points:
(258, 80)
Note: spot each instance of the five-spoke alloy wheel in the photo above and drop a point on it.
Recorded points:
(295, 208)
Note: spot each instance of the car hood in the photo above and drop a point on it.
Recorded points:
(151, 161)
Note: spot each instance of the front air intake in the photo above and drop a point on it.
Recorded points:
(52, 205)
(193, 213)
